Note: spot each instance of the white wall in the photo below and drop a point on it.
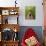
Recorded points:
(22, 3)
(39, 13)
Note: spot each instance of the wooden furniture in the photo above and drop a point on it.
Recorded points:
(11, 26)
(10, 43)
(5, 13)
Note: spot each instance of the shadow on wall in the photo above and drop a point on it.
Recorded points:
(37, 29)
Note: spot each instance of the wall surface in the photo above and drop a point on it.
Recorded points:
(37, 29)
(39, 13)
(22, 3)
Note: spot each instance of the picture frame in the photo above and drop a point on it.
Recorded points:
(30, 12)
(13, 12)
(5, 12)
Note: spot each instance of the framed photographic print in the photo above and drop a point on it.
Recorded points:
(30, 12)
(5, 12)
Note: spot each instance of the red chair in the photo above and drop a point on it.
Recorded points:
(29, 33)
